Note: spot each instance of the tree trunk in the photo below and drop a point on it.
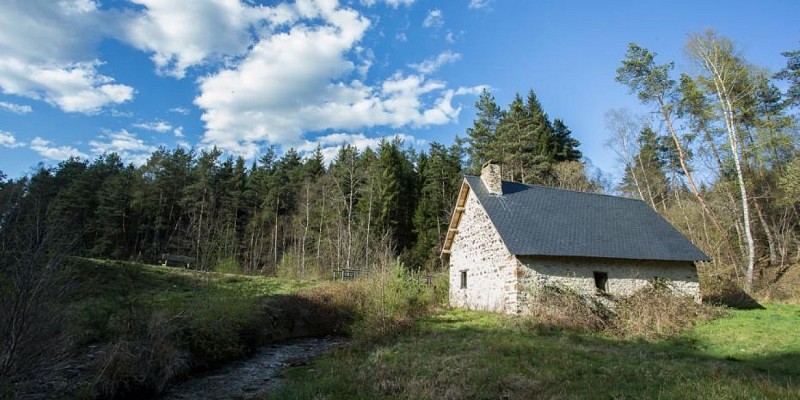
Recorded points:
(682, 160)
(733, 138)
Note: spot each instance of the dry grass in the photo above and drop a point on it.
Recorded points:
(560, 307)
(656, 312)
(651, 313)
(378, 307)
(785, 288)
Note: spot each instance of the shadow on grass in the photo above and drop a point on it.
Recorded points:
(736, 299)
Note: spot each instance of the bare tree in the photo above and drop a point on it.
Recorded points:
(32, 287)
(624, 128)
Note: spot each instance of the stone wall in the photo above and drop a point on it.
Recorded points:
(478, 250)
(492, 178)
(624, 276)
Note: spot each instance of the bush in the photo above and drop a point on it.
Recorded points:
(560, 307)
(227, 266)
(652, 312)
(143, 363)
(657, 312)
(380, 305)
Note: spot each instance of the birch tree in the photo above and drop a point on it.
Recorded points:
(652, 84)
(725, 72)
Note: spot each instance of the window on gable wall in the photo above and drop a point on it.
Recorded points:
(601, 281)
(464, 279)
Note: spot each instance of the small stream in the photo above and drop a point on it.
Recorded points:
(254, 377)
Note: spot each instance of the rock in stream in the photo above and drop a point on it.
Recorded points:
(253, 377)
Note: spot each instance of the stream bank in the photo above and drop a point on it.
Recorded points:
(254, 377)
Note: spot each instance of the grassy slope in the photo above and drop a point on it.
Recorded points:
(153, 324)
(110, 293)
(461, 354)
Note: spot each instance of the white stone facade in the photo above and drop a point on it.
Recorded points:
(498, 281)
(490, 270)
(624, 276)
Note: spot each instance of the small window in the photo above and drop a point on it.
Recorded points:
(464, 279)
(601, 281)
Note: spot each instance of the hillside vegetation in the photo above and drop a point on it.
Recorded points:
(123, 327)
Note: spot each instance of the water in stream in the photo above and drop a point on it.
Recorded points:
(254, 377)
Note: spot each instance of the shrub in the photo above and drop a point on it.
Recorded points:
(378, 306)
(557, 306)
(227, 266)
(656, 311)
(143, 364)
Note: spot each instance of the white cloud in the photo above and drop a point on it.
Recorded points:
(178, 132)
(179, 110)
(49, 54)
(54, 152)
(472, 90)
(330, 144)
(15, 108)
(301, 80)
(8, 140)
(478, 4)
(430, 65)
(155, 126)
(393, 3)
(435, 19)
(182, 34)
(126, 144)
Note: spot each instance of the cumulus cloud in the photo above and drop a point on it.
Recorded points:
(432, 64)
(15, 108)
(54, 152)
(155, 126)
(49, 54)
(8, 140)
(182, 34)
(478, 4)
(126, 144)
(435, 19)
(300, 80)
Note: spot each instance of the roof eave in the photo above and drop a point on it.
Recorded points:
(455, 219)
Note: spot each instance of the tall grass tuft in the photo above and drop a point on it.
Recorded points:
(380, 305)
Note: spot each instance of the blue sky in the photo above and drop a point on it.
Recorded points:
(81, 77)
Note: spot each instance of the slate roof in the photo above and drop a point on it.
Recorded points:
(539, 220)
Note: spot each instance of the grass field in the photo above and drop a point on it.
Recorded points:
(472, 355)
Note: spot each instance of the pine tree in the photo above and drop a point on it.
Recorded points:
(482, 139)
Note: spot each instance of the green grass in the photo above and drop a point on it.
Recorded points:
(459, 354)
(154, 324)
(110, 293)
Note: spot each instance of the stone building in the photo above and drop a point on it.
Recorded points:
(505, 238)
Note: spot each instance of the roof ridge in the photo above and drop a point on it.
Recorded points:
(563, 189)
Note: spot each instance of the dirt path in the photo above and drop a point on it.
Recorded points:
(254, 377)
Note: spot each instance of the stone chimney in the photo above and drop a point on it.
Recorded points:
(491, 177)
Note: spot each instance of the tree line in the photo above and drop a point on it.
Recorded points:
(286, 214)
(717, 155)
